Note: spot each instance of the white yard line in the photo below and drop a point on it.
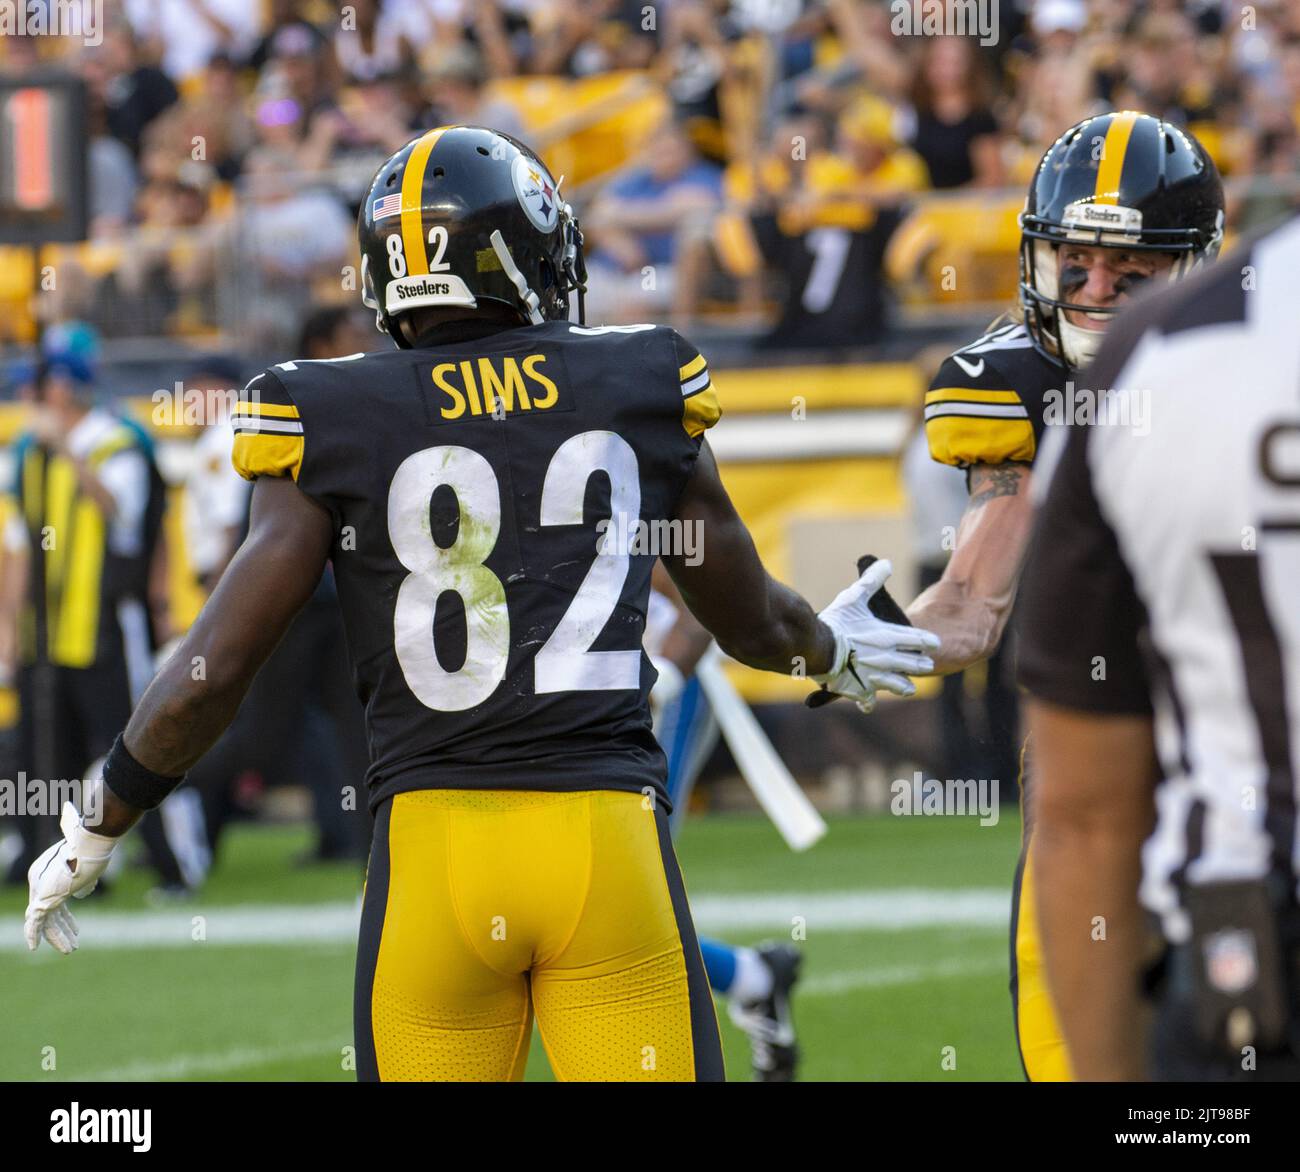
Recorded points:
(834, 984)
(270, 925)
(839, 911)
(200, 1065)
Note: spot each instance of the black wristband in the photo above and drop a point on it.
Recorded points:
(132, 782)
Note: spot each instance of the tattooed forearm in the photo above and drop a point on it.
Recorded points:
(988, 481)
(969, 605)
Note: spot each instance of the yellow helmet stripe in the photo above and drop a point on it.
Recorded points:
(417, 260)
(1113, 150)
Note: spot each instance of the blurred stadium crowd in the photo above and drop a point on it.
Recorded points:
(782, 166)
(778, 177)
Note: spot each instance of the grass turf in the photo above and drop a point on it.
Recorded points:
(875, 1004)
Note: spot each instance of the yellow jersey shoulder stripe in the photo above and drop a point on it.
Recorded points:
(969, 395)
(693, 367)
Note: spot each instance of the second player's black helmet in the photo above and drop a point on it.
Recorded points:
(1121, 180)
(463, 216)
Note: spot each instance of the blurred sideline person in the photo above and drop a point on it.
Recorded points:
(216, 496)
(830, 230)
(89, 510)
(816, 216)
(521, 858)
(334, 331)
(301, 723)
(1168, 782)
(644, 219)
(757, 982)
(1119, 201)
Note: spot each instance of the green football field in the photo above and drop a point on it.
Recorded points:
(903, 923)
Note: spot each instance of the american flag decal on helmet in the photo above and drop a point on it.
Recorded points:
(390, 205)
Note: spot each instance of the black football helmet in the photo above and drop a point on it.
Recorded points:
(464, 215)
(1121, 180)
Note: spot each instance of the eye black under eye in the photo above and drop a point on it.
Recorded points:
(1126, 282)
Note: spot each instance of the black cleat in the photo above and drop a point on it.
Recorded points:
(769, 1023)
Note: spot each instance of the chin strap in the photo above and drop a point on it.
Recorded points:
(526, 295)
(1079, 344)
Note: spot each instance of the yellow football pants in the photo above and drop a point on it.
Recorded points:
(1038, 1033)
(483, 906)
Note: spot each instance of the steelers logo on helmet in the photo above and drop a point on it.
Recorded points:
(536, 192)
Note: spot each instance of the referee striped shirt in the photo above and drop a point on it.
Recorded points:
(1164, 574)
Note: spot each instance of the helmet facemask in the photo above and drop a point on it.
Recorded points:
(551, 302)
(573, 266)
(1045, 309)
(368, 297)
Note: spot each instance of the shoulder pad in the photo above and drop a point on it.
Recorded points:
(268, 430)
(974, 414)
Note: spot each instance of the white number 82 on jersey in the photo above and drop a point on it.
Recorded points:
(565, 662)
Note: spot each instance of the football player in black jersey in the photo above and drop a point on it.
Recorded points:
(484, 491)
(1119, 201)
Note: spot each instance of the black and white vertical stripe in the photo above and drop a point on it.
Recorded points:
(1211, 536)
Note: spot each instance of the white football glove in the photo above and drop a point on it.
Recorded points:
(871, 654)
(71, 867)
